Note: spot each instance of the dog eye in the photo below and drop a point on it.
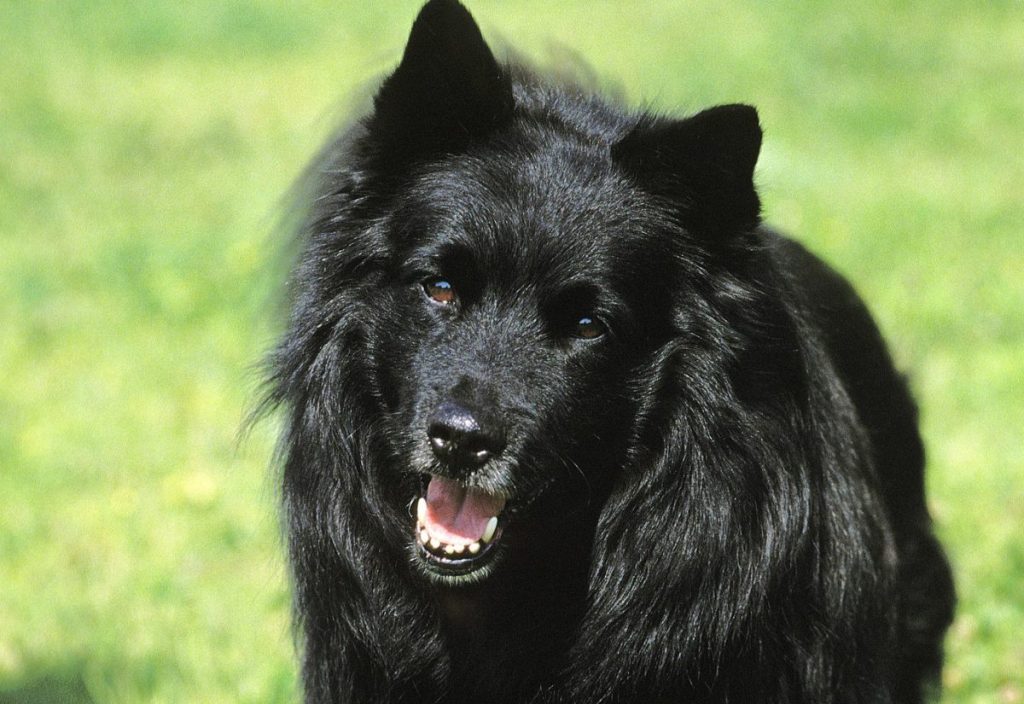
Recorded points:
(588, 328)
(439, 290)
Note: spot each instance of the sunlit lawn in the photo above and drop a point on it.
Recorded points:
(144, 149)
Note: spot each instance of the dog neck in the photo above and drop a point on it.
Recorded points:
(509, 633)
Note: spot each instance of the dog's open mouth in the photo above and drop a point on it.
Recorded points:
(457, 528)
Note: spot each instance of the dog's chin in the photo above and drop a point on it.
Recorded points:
(458, 531)
(457, 571)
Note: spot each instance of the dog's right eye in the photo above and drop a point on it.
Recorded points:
(439, 291)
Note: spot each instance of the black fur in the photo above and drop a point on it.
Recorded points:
(718, 499)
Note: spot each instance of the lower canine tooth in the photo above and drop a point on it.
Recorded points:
(474, 548)
(421, 510)
(492, 525)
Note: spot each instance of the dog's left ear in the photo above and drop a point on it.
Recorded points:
(447, 91)
(704, 163)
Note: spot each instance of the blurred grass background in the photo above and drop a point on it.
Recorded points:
(144, 149)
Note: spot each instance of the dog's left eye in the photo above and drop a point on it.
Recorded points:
(588, 328)
(440, 291)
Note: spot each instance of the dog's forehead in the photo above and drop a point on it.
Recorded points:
(559, 204)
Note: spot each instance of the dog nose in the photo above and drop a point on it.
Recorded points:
(460, 437)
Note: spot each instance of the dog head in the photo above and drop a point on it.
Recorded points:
(508, 261)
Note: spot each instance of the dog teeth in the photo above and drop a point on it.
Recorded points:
(492, 525)
(421, 510)
(439, 546)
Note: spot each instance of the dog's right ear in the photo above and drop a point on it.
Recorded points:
(447, 91)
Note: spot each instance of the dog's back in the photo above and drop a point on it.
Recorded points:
(885, 407)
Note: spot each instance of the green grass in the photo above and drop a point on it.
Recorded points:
(144, 148)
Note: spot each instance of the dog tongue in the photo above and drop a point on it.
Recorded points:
(456, 514)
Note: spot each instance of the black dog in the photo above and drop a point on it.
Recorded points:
(566, 424)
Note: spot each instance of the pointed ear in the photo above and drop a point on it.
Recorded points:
(447, 91)
(705, 163)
